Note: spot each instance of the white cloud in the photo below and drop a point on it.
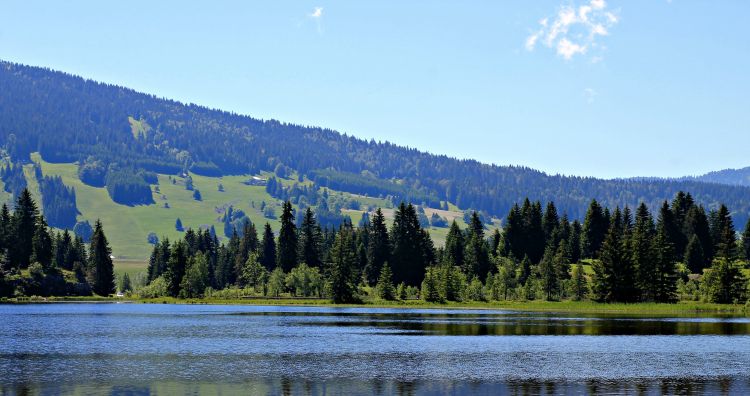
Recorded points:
(574, 30)
(317, 12)
(567, 49)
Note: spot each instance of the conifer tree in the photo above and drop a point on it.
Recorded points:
(101, 266)
(525, 271)
(430, 287)
(579, 287)
(412, 247)
(42, 245)
(613, 276)
(268, 249)
(176, 267)
(642, 252)
(666, 279)
(725, 283)
(378, 248)
(534, 233)
(574, 243)
(454, 246)
(288, 241)
(385, 288)
(495, 241)
(746, 241)
(696, 223)
(694, 258)
(342, 279)
(126, 285)
(310, 240)
(513, 231)
(24, 221)
(550, 220)
(548, 274)
(594, 231)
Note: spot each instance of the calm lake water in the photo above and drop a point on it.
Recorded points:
(134, 349)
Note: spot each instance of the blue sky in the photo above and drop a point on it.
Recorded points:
(607, 89)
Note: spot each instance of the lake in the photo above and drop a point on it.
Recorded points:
(133, 349)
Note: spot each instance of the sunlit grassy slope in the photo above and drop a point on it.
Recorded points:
(128, 226)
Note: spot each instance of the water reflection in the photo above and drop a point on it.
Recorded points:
(289, 386)
(171, 349)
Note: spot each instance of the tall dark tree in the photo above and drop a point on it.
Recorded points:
(342, 278)
(513, 234)
(412, 247)
(642, 252)
(42, 244)
(288, 241)
(574, 242)
(696, 223)
(378, 248)
(550, 220)
(176, 267)
(101, 266)
(24, 223)
(454, 246)
(746, 241)
(694, 258)
(594, 231)
(666, 278)
(310, 240)
(613, 273)
(268, 248)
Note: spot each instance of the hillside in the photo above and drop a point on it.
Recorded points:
(734, 177)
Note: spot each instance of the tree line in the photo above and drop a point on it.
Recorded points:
(540, 254)
(36, 260)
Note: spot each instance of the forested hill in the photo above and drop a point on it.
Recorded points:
(118, 135)
(735, 177)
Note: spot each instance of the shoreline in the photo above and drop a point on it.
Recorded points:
(581, 307)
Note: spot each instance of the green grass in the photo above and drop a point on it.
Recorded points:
(583, 307)
(128, 226)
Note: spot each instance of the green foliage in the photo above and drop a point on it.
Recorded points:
(725, 283)
(579, 289)
(386, 290)
(475, 290)
(158, 287)
(102, 268)
(288, 241)
(276, 282)
(430, 287)
(341, 284)
(305, 281)
(196, 277)
(253, 274)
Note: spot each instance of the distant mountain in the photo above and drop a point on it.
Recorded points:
(121, 138)
(732, 177)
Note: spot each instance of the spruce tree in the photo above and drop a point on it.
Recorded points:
(378, 248)
(725, 283)
(412, 247)
(574, 243)
(613, 275)
(288, 241)
(642, 252)
(535, 233)
(696, 223)
(454, 246)
(310, 240)
(746, 242)
(268, 249)
(694, 257)
(24, 223)
(550, 220)
(594, 231)
(176, 267)
(548, 274)
(126, 285)
(666, 278)
(341, 278)
(100, 262)
(42, 245)
(385, 288)
(579, 287)
(430, 287)
(513, 231)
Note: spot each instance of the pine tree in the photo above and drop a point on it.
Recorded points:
(342, 279)
(534, 233)
(666, 278)
(694, 258)
(642, 252)
(385, 288)
(548, 274)
(594, 231)
(613, 276)
(412, 247)
(477, 259)
(430, 287)
(378, 248)
(126, 285)
(310, 239)
(579, 288)
(101, 266)
(454, 246)
(696, 223)
(746, 242)
(550, 221)
(178, 225)
(525, 271)
(574, 243)
(42, 245)
(24, 223)
(268, 249)
(495, 241)
(176, 267)
(513, 231)
(288, 241)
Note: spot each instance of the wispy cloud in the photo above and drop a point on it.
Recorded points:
(574, 30)
(317, 16)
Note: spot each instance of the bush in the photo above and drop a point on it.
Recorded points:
(157, 288)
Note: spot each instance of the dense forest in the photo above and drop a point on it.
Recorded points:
(681, 252)
(115, 133)
(37, 261)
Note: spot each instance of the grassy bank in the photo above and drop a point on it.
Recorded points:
(681, 308)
